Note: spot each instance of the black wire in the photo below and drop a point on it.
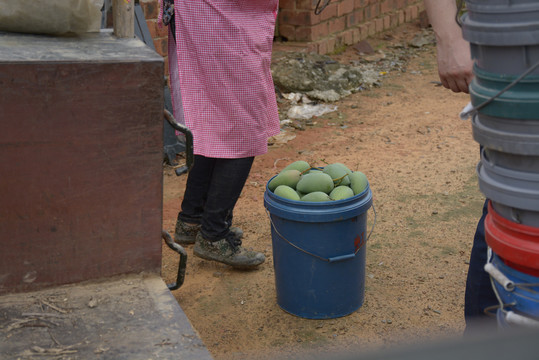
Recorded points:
(318, 10)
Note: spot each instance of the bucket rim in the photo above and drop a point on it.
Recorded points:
(511, 241)
(511, 225)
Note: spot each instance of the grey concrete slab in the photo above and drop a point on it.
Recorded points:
(128, 317)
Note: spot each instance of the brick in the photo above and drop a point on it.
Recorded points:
(306, 4)
(150, 8)
(375, 9)
(372, 28)
(387, 22)
(161, 46)
(345, 7)
(401, 17)
(415, 11)
(287, 4)
(354, 19)
(329, 12)
(312, 33)
(322, 47)
(337, 25)
(302, 17)
(287, 31)
(348, 37)
(386, 6)
(424, 19)
(394, 19)
(364, 31)
(408, 14)
(332, 44)
(356, 36)
(372, 11)
(367, 13)
(155, 30)
(304, 33)
(379, 25)
(401, 4)
(360, 4)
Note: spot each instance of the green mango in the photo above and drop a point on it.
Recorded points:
(316, 196)
(358, 182)
(316, 181)
(285, 177)
(286, 192)
(300, 165)
(339, 173)
(341, 192)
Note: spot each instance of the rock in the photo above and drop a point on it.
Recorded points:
(363, 47)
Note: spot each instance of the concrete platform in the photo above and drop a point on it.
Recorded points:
(128, 317)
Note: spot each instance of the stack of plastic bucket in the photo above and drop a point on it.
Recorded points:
(319, 252)
(504, 40)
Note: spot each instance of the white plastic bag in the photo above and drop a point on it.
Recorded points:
(50, 16)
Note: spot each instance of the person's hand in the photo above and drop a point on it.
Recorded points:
(455, 65)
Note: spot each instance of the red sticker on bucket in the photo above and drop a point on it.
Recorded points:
(359, 241)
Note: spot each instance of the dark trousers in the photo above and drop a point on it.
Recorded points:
(479, 294)
(213, 188)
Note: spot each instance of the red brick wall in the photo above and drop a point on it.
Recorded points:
(343, 22)
(159, 34)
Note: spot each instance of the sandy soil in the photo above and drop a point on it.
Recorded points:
(420, 159)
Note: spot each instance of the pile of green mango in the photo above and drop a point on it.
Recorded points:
(303, 182)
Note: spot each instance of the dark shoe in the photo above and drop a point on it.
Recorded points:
(227, 251)
(185, 234)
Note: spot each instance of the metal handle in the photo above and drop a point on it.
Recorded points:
(188, 143)
(507, 284)
(183, 260)
(331, 259)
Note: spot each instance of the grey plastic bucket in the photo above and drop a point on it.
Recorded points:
(515, 136)
(501, 22)
(512, 188)
(509, 143)
(507, 95)
(509, 60)
(519, 216)
(503, 34)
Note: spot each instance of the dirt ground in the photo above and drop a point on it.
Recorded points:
(420, 159)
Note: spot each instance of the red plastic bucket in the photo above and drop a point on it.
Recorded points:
(516, 244)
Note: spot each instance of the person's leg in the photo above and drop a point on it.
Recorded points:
(228, 178)
(216, 241)
(194, 200)
(479, 294)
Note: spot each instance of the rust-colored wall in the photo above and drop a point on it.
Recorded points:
(80, 160)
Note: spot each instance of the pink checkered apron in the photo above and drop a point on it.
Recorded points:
(220, 75)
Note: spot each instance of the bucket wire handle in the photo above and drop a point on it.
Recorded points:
(501, 305)
(475, 109)
(333, 259)
(496, 275)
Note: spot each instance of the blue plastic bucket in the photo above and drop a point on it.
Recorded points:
(518, 293)
(319, 251)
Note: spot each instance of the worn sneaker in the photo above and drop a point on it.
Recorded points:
(227, 251)
(185, 234)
